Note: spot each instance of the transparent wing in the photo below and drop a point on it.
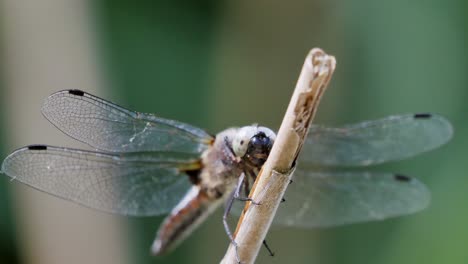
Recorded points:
(374, 142)
(109, 127)
(140, 184)
(324, 199)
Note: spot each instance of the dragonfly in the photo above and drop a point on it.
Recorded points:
(146, 165)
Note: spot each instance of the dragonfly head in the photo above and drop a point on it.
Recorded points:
(253, 144)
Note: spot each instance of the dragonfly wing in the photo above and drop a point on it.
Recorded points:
(109, 127)
(374, 142)
(324, 199)
(130, 184)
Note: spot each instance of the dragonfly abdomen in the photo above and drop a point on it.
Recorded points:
(183, 220)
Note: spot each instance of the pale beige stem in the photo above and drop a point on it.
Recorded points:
(274, 178)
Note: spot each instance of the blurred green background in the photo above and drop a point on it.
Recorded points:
(217, 64)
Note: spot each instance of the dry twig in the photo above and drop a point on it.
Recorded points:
(272, 181)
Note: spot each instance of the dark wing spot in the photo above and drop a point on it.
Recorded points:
(402, 178)
(423, 115)
(242, 142)
(37, 147)
(76, 92)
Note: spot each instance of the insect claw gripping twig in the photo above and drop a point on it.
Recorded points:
(247, 199)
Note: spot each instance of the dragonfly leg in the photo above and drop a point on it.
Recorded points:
(237, 196)
(268, 248)
(282, 199)
(246, 186)
(227, 210)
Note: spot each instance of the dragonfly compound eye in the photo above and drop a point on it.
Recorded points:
(259, 149)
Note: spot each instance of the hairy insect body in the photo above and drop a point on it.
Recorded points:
(221, 167)
(231, 155)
